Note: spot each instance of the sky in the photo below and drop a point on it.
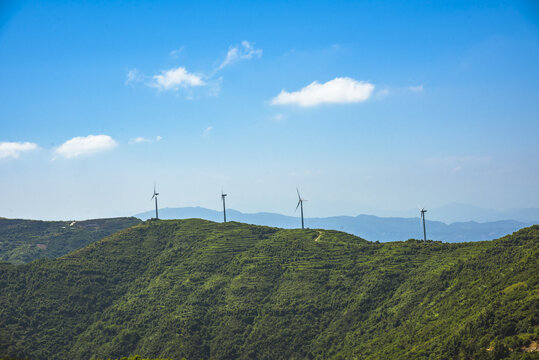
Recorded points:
(365, 106)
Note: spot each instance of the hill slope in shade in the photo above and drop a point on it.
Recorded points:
(197, 289)
(369, 227)
(22, 241)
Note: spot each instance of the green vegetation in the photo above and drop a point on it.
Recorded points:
(197, 289)
(136, 357)
(22, 241)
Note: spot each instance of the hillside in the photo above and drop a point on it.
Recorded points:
(369, 227)
(22, 241)
(197, 289)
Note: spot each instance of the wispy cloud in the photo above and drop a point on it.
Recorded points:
(207, 131)
(277, 117)
(417, 88)
(245, 51)
(452, 160)
(14, 149)
(456, 164)
(180, 78)
(337, 91)
(173, 79)
(141, 139)
(84, 145)
(382, 93)
(176, 52)
(133, 75)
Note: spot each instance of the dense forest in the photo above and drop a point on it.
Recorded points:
(201, 290)
(22, 241)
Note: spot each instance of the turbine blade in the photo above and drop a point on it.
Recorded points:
(299, 202)
(299, 197)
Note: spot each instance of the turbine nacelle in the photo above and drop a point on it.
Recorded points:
(300, 200)
(155, 193)
(300, 203)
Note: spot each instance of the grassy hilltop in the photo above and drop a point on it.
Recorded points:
(198, 289)
(22, 241)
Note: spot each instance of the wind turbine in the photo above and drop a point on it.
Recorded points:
(224, 207)
(423, 211)
(155, 194)
(300, 203)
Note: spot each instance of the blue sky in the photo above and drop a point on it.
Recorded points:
(367, 107)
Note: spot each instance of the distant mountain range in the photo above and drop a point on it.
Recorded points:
(369, 227)
(456, 212)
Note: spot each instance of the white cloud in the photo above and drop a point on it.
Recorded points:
(418, 88)
(337, 91)
(245, 51)
(207, 131)
(83, 145)
(175, 78)
(141, 139)
(14, 149)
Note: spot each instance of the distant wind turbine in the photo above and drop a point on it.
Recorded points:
(423, 211)
(224, 206)
(155, 194)
(300, 204)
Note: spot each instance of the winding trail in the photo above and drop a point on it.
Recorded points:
(319, 235)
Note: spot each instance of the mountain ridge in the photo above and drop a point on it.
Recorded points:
(200, 289)
(22, 240)
(370, 227)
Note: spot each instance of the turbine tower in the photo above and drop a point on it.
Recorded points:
(423, 211)
(300, 204)
(224, 207)
(155, 194)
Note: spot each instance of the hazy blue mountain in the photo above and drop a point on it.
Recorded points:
(369, 227)
(456, 212)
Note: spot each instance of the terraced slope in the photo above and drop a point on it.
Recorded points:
(22, 241)
(198, 289)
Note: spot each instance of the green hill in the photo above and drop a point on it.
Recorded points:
(22, 241)
(198, 289)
